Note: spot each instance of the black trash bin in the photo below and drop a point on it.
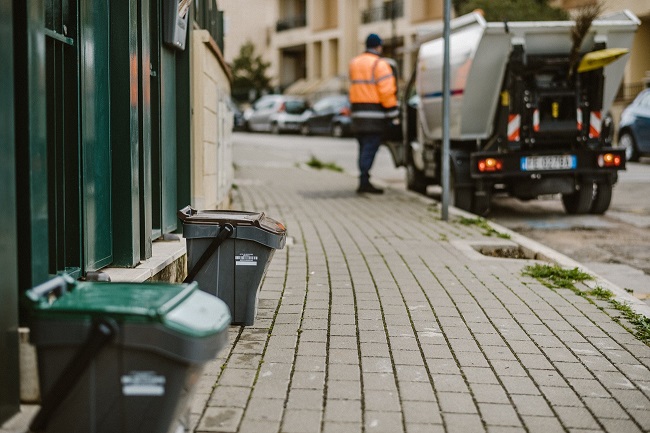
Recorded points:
(228, 253)
(121, 357)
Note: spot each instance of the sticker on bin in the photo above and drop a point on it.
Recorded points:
(246, 260)
(139, 383)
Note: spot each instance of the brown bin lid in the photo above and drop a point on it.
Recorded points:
(188, 215)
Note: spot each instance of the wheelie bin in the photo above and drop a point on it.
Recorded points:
(228, 254)
(121, 357)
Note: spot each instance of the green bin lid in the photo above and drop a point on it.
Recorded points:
(181, 307)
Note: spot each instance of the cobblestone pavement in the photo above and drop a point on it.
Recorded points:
(380, 317)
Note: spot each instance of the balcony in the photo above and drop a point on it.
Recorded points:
(291, 23)
(388, 11)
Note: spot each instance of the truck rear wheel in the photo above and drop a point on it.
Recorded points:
(602, 198)
(579, 201)
(415, 178)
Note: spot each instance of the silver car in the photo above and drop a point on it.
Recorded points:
(276, 114)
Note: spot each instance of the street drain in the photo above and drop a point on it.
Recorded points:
(509, 252)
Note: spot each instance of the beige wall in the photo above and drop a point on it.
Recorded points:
(212, 122)
(252, 20)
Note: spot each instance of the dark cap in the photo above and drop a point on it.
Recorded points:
(373, 41)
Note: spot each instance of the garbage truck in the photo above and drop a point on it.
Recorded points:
(528, 106)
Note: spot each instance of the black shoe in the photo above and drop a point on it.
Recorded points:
(370, 189)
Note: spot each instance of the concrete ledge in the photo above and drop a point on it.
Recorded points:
(166, 254)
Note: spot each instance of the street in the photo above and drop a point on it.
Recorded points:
(616, 245)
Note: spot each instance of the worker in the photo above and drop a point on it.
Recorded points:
(373, 98)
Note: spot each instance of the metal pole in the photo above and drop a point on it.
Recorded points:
(445, 114)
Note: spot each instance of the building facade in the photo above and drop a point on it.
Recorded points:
(109, 125)
(310, 42)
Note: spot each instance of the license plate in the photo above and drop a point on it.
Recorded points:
(549, 162)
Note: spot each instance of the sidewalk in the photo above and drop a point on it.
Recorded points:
(380, 317)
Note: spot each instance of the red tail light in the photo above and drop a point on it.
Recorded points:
(345, 111)
(609, 160)
(282, 108)
(490, 164)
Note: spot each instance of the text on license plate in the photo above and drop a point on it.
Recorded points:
(549, 162)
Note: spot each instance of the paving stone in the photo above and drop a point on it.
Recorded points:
(347, 411)
(543, 424)
(461, 422)
(384, 422)
(301, 421)
(381, 401)
(257, 426)
(499, 415)
(576, 417)
(342, 427)
(220, 420)
(456, 402)
(308, 380)
(533, 405)
(420, 412)
(230, 396)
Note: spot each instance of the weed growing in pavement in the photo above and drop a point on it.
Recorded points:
(560, 278)
(320, 165)
(483, 224)
(555, 277)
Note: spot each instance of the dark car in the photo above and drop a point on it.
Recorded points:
(634, 128)
(329, 115)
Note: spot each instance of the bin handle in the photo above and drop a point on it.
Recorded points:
(59, 283)
(186, 212)
(102, 332)
(225, 232)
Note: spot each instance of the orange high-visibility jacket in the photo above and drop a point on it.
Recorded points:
(373, 93)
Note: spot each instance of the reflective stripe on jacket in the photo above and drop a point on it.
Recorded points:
(372, 92)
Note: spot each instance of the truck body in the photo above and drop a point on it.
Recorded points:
(526, 118)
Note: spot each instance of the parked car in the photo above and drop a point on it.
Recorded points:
(329, 115)
(276, 114)
(634, 128)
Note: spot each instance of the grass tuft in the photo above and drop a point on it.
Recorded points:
(483, 224)
(555, 277)
(320, 165)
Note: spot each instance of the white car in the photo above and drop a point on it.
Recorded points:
(276, 114)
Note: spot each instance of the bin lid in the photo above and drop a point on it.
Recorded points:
(181, 307)
(188, 215)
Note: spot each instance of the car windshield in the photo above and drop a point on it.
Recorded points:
(295, 106)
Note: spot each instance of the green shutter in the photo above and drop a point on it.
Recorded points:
(95, 133)
(9, 397)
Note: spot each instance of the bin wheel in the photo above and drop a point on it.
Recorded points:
(602, 198)
(579, 201)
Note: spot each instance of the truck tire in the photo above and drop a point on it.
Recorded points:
(579, 201)
(461, 198)
(481, 204)
(415, 180)
(602, 198)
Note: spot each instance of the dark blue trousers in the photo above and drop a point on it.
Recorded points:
(368, 146)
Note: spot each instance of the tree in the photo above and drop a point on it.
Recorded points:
(512, 10)
(249, 73)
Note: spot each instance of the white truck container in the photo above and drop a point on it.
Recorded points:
(524, 119)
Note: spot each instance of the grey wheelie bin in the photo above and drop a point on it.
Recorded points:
(228, 253)
(121, 357)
